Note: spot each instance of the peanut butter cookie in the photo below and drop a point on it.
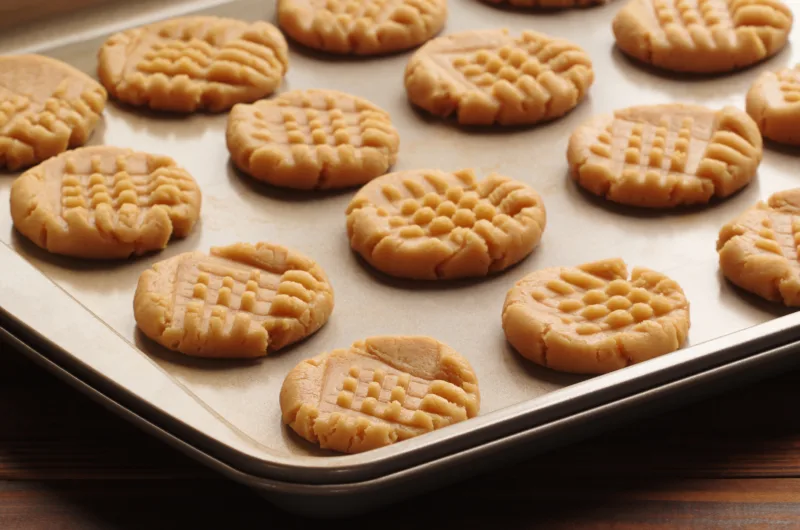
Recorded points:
(595, 318)
(489, 76)
(104, 202)
(193, 63)
(241, 301)
(702, 36)
(312, 139)
(661, 156)
(379, 391)
(434, 225)
(774, 103)
(758, 251)
(46, 107)
(361, 27)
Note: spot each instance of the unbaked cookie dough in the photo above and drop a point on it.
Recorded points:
(661, 156)
(773, 101)
(595, 318)
(242, 300)
(46, 107)
(490, 76)
(361, 27)
(105, 202)
(758, 251)
(702, 36)
(194, 63)
(312, 139)
(431, 225)
(379, 391)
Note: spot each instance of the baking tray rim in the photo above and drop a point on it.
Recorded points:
(270, 488)
(242, 454)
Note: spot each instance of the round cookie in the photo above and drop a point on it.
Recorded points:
(705, 36)
(758, 251)
(431, 225)
(773, 101)
(379, 391)
(595, 318)
(104, 202)
(547, 4)
(489, 76)
(361, 27)
(46, 107)
(194, 63)
(312, 139)
(240, 301)
(661, 156)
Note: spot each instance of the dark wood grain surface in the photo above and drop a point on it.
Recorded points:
(728, 462)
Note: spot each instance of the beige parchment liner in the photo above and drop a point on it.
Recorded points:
(466, 316)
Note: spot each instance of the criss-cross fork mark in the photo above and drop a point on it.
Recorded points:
(224, 291)
(314, 127)
(13, 105)
(374, 11)
(708, 16)
(639, 149)
(379, 392)
(521, 63)
(430, 206)
(350, 13)
(120, 189)
(593, 304)
(715, 24)
(35, 130)
(386, 393)
(779, 234)
(789, 84)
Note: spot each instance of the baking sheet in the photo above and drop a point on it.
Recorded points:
(244, 394)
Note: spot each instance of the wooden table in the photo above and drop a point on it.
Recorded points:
(728, 462)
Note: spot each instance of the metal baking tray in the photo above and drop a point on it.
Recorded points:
(76, 318)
